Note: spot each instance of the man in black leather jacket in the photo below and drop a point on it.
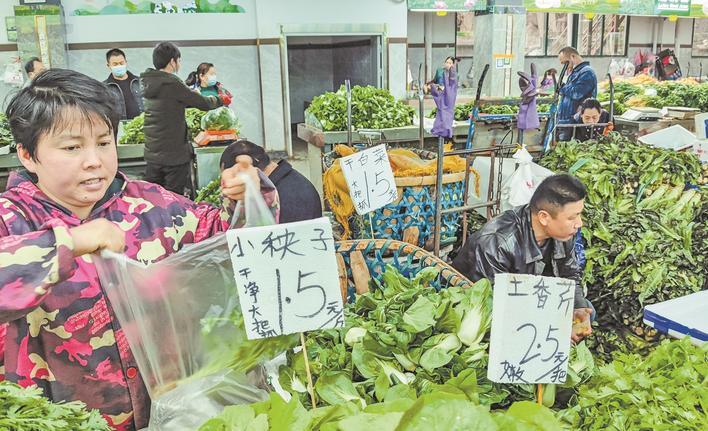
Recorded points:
(537, 238)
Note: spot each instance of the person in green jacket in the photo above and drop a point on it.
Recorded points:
(204, 79)
(168, 152)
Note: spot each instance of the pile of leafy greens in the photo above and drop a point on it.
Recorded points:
(133, 130)
(463, 111)
(6, 137)
(441, 411)
(645, 242)
(372, 108)
(194, 117)
(657, 95)
(211, 193)
(25, 409)
(405, 337)
(665, 390)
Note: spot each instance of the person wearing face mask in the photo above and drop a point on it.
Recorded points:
(168, 152)
(580, 85)
(124, 85)
(204, 80)
(537, 238)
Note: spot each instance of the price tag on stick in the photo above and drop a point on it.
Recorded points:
(287, 278)
(370, 179)
(532, 318)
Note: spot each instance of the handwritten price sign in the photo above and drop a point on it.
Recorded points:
(370, 179)
(287, 278)
(532, 318)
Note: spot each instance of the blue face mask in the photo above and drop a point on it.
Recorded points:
(119, 71)
(211, 81)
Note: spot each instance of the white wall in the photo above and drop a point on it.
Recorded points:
(443, 27)
(145, 27)
(271, 14)
(6, 9)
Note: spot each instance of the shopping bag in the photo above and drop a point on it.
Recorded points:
(520, 186)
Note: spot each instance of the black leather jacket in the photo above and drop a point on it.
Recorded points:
(507, 245)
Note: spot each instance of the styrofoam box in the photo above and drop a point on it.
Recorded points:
(670, 138)
(679, 317)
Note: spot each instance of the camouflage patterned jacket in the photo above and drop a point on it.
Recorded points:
(61, 334)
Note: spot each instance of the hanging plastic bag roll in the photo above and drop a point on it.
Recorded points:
(183, 322)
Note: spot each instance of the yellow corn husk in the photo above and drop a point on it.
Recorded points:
(404, 163)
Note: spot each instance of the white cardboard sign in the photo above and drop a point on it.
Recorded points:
(287, 278)
(370, 179)
(532, 317)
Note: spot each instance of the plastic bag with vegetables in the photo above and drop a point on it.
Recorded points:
(220, 119)
(182, 319)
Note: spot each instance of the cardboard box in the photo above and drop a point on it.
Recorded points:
(679, 112)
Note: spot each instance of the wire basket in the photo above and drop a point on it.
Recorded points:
(360, 261)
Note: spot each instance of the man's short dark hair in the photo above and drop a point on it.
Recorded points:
(163, 53)
(42, 106)
(557, 191)
(590, 103)
(247, 148)
(29, 66)
(115, 52)
(569, 50)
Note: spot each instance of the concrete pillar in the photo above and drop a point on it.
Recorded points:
(428, 43)
(500, 41)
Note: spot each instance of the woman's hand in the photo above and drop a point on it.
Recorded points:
(233, 185)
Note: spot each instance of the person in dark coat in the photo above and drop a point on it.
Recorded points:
(589, 113)
(124, 85)
(537, 238)
(299, 199)
(581, 84)
(168, 152)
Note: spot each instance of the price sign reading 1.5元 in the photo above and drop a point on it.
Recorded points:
(370, 179)
(532, 318)
(287, 278)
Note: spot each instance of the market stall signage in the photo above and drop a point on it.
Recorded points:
(676, 7)
(531, 327)
(446, 5)
(370, 179)
(287, 278)
(503, 61)
(623, 7)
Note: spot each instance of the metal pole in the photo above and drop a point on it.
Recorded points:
(421, 110)
(491, 190)
(612, 97)
(348, 85)
(438, 196)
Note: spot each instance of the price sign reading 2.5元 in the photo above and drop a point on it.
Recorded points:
(287, 278)
(370, 179)
(531, 325)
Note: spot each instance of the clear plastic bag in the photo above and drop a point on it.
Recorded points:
(182, 319)
(220, 119)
